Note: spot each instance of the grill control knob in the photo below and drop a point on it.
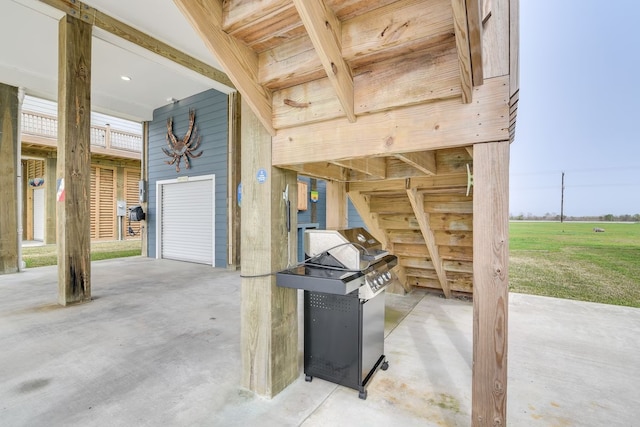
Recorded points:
(387, 275)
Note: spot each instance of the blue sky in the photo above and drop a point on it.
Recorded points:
(579, 108)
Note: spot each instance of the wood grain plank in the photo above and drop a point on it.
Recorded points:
(269, 321)
(424, 161)
(425, 127)
(417, 203)
(491, 283)
(464, 49)
(240, 62)
(496, 50)
(374, 167)
(9, 154)
(476, 42)
(74, 161)
(325, 31)
(337, 214)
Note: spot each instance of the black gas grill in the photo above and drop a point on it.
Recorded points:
(344, 278)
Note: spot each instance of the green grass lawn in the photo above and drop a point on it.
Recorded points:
(570, 260)
(40, 256)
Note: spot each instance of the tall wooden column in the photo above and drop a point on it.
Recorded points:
(73, 182)
(269, 325)
(50, 173)
(8, 179)
(337, 208)
(490, 283)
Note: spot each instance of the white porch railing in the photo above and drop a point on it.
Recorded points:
(47, 126)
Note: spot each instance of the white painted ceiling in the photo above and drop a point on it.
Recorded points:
(29, 56)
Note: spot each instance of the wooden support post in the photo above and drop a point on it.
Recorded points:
(234, 162)
(269, 325)
(490, 283)
(9, 239)
(50, 166)
(74, 161)
(337, 212)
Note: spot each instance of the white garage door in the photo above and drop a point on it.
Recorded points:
(186, 231)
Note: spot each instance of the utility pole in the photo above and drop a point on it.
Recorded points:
(562, 200)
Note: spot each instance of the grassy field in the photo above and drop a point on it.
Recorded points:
(570, 260)
(39, 256)
(546, 258)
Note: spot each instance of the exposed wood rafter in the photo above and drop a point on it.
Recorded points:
(474, 22)
(424, 161)
(240, 62)
(374, 167)
(417, 203)
(325, 32)
(416, 128)
(461, 28)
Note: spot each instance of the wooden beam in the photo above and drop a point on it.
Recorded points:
(474, 22)
(269, 315)
(394, 30)
(375, 167)
(514, 47)
(325, 32)
(50, 233)
(337, 214)
(491, 283)
(9, 134)
(240, 62)
(384, 33)
(362, 204)
(74, 161)
(425, 183)
(424, 127)
(326, 171)
(461, 28)
(417, 77)
(486, 10)
(370, 219)
(424, 161)
(417, 203)
(234, 162)
(107, 23)
(496, 42)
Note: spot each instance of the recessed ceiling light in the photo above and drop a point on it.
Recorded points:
(125, 78)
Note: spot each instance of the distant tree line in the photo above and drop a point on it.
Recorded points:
(552, 216)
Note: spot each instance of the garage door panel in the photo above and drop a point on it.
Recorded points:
(187, 221)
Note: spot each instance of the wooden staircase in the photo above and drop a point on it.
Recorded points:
(426, 220)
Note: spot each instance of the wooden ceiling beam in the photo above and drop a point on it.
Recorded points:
(325, 32)
(382, 34)
(127, 32)
(425, 183)
(375, 167)
(417, 203)
(240, 62)
(445, 124)
(326, 171)
(464, 49)
(474, 22)
(424, 161)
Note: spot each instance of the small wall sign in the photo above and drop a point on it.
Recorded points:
(261, 176)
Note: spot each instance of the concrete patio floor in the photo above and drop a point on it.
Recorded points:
(159, 345)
